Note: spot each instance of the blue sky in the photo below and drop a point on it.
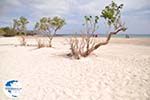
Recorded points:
(136, 13)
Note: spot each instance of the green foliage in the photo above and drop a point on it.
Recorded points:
(19, 25)
(6, 31)
(91, 19)
(112, 14)
(23, 22)
(49, 25)
(91, 24)
(43, 24)
(57, 22)
(2, 32)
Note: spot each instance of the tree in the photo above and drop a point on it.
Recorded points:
(50, 27)
(23, 21)
(87, 44)
(19, 25)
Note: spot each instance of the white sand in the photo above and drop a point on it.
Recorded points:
(113, 72)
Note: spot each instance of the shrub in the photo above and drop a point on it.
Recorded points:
(49, 27)
(6, 31)
(87, 44)
(2, 32)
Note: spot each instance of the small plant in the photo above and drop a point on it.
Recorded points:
(49, 27)
(82, 47)
(40, 43)
(23, 40)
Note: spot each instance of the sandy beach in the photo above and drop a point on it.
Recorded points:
(117, 71)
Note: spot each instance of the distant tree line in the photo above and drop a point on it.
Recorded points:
(45, 25)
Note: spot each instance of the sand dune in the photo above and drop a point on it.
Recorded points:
(117, 71)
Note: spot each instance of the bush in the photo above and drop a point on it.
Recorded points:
(7, 32)
(2, 32)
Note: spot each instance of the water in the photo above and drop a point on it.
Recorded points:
(133, 35)
(116, 36)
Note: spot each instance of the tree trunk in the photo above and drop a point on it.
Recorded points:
(103, 43)
(108, 38)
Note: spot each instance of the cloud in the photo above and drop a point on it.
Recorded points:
(134, 4)
(51, 7)
(66, 7)
(6, 5)
(72, 10)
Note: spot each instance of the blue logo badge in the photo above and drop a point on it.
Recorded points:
(12, 88)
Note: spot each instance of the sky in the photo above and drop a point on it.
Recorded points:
(135, 14)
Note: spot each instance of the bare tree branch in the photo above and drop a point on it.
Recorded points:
(109, 37)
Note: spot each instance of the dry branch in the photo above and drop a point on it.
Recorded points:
(82, 47)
